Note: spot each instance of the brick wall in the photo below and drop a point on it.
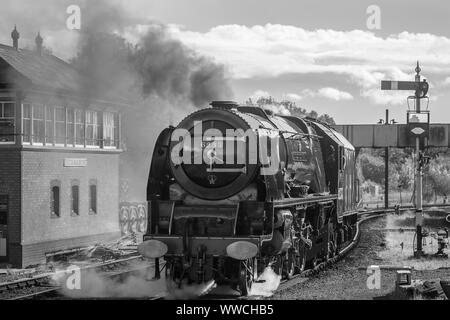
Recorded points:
(40, 168)
(26, 177)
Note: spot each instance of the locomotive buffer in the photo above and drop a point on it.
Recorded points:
(418, 122)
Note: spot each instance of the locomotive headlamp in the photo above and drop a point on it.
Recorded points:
(242, 250)
(152, 249)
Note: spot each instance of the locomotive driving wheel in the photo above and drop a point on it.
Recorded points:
(332, 249)
(301, 258)
(277, 265)
(289, 264)
(171, 284)
(174, 275)
(313, 263)
(246, 276)
(340, 238)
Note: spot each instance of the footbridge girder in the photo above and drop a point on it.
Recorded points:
(392, 135)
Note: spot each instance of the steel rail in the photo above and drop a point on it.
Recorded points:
(44, 280)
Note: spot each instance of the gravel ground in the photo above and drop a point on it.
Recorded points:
(347, 279)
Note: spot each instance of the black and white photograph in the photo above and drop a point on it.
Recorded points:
(213, 158)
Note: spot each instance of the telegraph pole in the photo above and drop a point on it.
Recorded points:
(386, 169)
(386, 164)
(418, 128)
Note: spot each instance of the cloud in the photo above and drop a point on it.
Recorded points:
(278, 49)
(292, 96)
(361, 58)
(446, 82)
(326, 93)
(385, 97)
(333, 94)
(259, 94)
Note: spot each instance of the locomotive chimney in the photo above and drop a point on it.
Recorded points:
(15, 36)
(224, 104)
(39, 42)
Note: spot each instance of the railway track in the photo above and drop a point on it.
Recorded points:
(294, 280)
(303, 276)
(44, 285)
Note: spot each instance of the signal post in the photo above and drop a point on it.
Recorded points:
(418, 122)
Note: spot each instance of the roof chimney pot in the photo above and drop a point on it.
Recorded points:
(15, 35)
(39, 42)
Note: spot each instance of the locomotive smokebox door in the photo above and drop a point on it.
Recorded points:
(201, 145)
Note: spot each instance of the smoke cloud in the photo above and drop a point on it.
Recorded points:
(172, 71)
(156, 65)
(93, 284)
(158, 78)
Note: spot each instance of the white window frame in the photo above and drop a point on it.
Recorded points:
(46, 115)
(95, 129)
(114, 129)
(75, 123)
(2, 111)
(58, 144)
(34, 143)
(73, 143)
(23, 121)
(98, 127)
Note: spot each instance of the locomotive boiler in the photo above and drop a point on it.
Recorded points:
(235, 189)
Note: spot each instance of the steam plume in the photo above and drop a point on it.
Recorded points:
(160, 78)
(95, 285)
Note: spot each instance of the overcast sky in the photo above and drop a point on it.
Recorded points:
(318, 53)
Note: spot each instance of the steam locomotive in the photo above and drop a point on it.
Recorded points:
(236, 189)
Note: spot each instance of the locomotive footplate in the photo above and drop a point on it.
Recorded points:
(309, 199)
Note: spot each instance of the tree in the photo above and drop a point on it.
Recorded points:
(438, 174)
(327, 119)
(372, 168)
(400, 166)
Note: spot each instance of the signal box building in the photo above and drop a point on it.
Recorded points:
(59, 158)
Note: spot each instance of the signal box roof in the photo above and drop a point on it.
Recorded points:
(43, 72)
